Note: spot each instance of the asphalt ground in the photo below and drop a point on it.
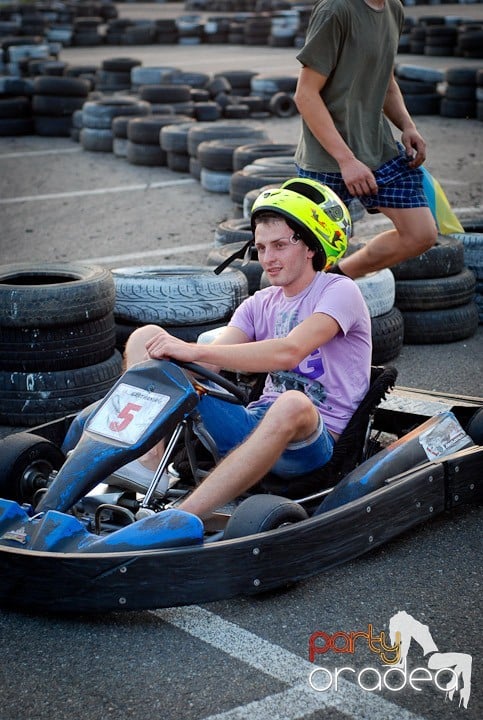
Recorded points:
(248, 657)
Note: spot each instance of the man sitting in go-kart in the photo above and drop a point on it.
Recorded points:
(309, 330)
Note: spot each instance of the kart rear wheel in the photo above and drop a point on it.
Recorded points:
(260, 513)
(26, 462)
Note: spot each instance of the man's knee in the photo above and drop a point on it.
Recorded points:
(136, 343)
(294, 410)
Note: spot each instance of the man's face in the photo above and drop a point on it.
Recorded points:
(286, 260)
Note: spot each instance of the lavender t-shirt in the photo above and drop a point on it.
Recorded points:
(336, 375)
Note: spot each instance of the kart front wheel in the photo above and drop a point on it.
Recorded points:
(260, 513)
(26, 463)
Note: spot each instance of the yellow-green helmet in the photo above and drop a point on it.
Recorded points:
(314, 208)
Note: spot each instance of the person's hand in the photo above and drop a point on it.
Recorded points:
(359, 179)
(164, 345)
(415, 147)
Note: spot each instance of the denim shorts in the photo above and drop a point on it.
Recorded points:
(399, 186)
(229, 424)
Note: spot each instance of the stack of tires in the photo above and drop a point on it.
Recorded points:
(54, 101)
(186, 300)
(419, 87)
(15, 107)
(435, 293)
(472, 239)
(57, 340)
(96, 134)
(459, 99)
(387, 324)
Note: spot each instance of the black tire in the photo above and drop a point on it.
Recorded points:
(146, 154)
(233, 230)
(10, 127)
(423, 104)
(52, 125)
(435, 293)
(473, 250)
(218, 154)
(387, 336)
(26, 462)
(169, 295)
(446, 257)
(28, 399)
(51, 85)
(57, 348)
(100, 113)
(458, 108)
(242, 181)
(49, 294)
(261, 513)
(426, 327)
(96, 139)
(246, 154)
(282, 105)
(213, 131)
(174, 137)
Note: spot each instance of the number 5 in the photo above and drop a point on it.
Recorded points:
(126, 415)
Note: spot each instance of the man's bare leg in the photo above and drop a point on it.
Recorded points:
(292, 417)
(414, 233)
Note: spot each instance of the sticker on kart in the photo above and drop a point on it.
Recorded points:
(127, 413)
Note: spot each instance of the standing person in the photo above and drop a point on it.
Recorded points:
(346, 94)
(309, 331)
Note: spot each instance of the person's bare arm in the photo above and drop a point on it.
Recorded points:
(261, 356)
(357, 176)
(396, 111)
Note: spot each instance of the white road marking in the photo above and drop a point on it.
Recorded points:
(98, 191)
(299, 700)
(160, 252)
(33, 153)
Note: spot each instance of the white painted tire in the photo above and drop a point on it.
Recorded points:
(378, 290)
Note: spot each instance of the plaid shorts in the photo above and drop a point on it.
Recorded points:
(399, 186)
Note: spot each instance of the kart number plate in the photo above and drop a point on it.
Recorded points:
(127, 413)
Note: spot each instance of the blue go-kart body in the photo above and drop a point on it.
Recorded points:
(57, 552)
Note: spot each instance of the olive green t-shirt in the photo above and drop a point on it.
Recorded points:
(354, 46)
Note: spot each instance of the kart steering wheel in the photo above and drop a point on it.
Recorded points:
(233, 394)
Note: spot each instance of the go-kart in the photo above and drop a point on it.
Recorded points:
(76, 536)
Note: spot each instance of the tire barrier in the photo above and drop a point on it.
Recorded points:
(57, 340)
(435, 293)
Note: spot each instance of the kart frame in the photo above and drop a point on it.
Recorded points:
(154, 578)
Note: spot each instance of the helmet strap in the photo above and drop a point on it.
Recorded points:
(242, 254)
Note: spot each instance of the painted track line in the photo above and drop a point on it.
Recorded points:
(34, 153)
(299, 700)
(160, 252)
(98, 191)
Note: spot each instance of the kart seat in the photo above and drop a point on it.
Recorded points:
(350, 450)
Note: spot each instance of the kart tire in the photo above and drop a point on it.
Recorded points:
(49, 294)
(26, 461)
(182, 295)
(378, 290)
(58, 347)
(426, 327)
(387, 336)
(474, 428)
(435, 293)
(260, 513)
(28, 399)
(445, 258)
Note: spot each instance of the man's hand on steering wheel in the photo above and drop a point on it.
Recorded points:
(166, 346)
